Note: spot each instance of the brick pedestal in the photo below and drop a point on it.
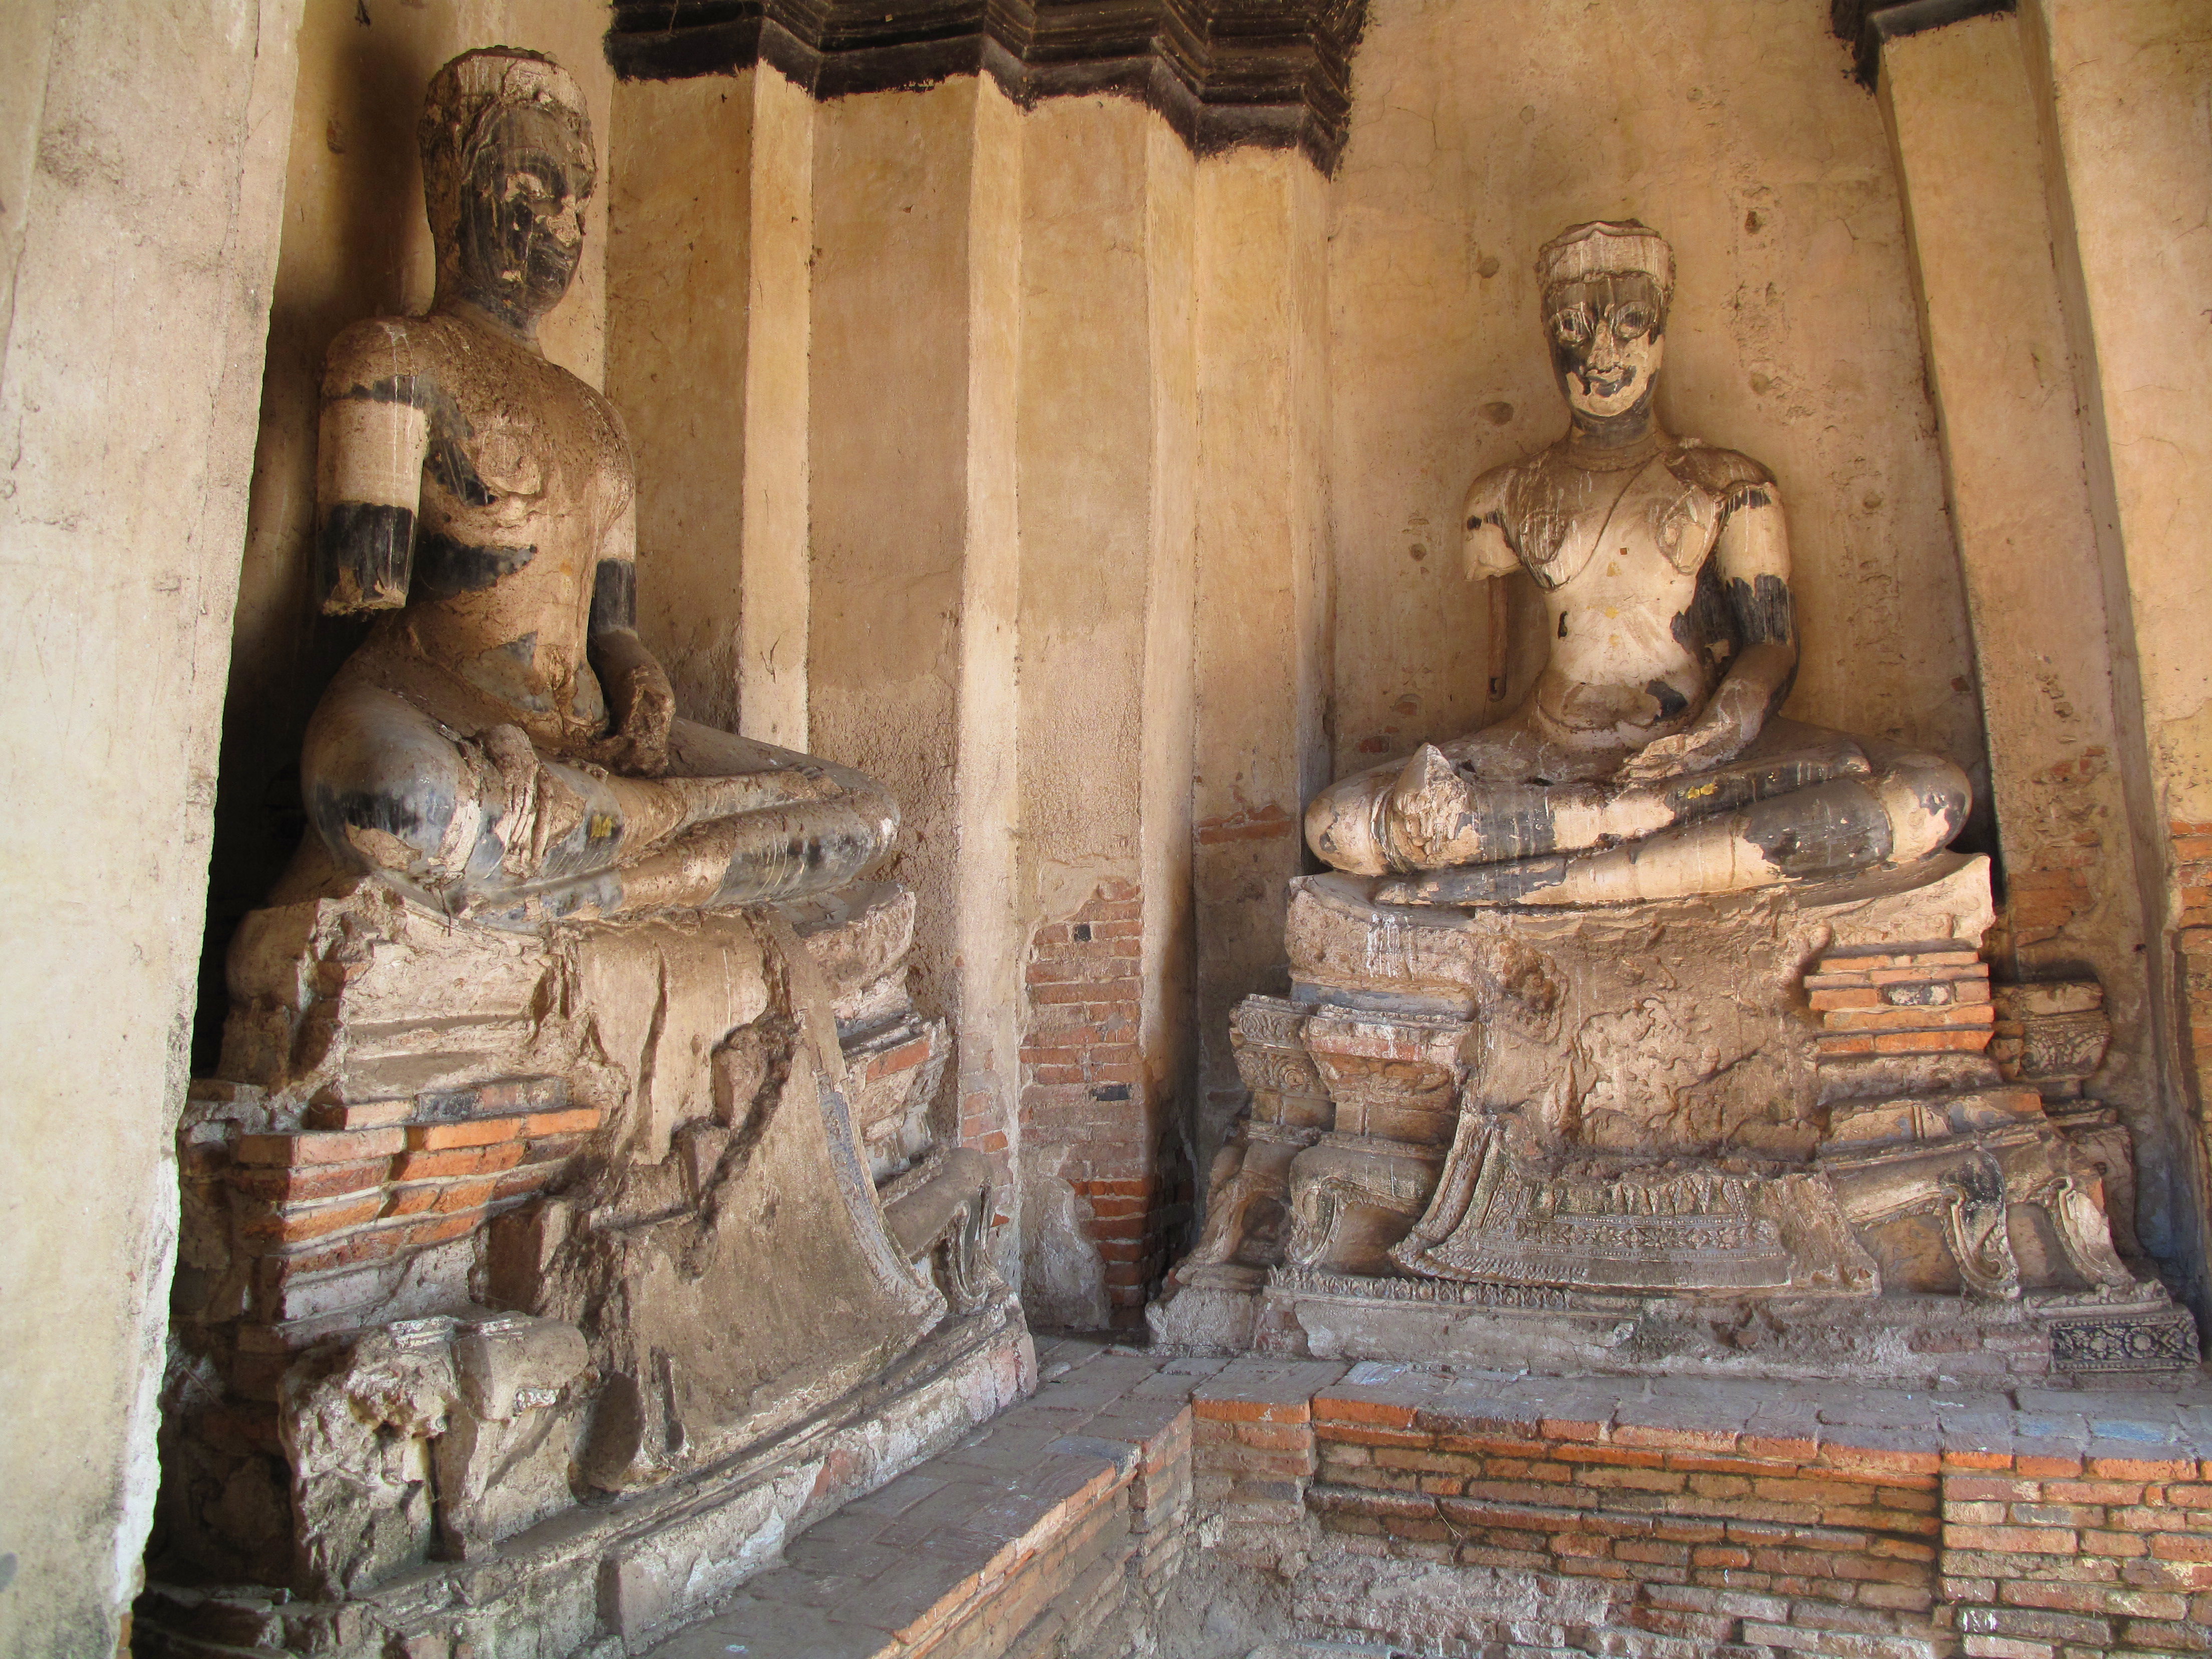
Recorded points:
(1684, 1517)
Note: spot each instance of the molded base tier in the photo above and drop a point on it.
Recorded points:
(1900, 1341)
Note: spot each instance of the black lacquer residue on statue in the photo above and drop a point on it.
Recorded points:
(614, 595)
(445, 567)
(1840, 825)
(1764, 612)
(365, 551)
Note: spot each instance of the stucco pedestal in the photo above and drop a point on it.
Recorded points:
(1757, 1131)
(545, 1281)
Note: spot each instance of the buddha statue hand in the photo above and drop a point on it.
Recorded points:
(1701, 748)
(643, 704)
(1422, 808)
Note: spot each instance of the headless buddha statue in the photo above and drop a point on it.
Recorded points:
(1647, 762)
(503, 745)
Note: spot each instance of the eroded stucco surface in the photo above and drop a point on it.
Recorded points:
(1961, 108)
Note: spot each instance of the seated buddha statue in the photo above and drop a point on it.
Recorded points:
(503, 745)
(1648, 761)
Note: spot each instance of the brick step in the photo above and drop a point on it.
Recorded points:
(1017, 1544)
(1848, 1644)
(1669, 1621)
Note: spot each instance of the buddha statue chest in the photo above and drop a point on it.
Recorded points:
(1639, 522)
(524, 475)
(1617, 556)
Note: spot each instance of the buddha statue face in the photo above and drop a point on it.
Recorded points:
(507, 168)
(1607, 334)
(521, 218)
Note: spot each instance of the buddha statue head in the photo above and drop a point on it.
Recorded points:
(507, 166)
(1606, 286)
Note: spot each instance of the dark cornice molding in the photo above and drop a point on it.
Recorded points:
(1274, 74)
(1865, 25)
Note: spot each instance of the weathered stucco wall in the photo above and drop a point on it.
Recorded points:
(710, 268)
(1105, 241)
(1972, 162)
(888, 448)
(2126, 92)
(1732, 127)
(1259, 664)
(356, 245)
(914, 563)
(141, 154)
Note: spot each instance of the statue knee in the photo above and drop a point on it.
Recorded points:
(1824, 830)
(874, 807)
(839, 842)
(1911, 806)
(386, 791)
(1926, 797)
(1340, 824)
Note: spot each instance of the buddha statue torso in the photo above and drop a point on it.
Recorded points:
(1620, 547)
(527, 480)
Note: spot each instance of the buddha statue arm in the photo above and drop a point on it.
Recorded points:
(1751, 556)
(375, 434)
(1487, 552)
(1488, 557)
(639, 697)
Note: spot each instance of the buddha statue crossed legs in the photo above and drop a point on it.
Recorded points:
(1648, 761)
(504, 745)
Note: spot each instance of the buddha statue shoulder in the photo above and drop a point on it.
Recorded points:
(1648, 760)
(503, 745)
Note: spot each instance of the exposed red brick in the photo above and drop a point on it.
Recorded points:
(359, 1114)
(2142, 1468)
(1976, 1460)
(290, 1225)
(296, 1184)
(441, 1198)
(1383, 1414)
(1881, 1461)
(469, 1132)
(1928, 1043)
(321, 1146)
(458, 1161)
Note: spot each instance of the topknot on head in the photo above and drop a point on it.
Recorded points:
(1606, 247)
(475, 86)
